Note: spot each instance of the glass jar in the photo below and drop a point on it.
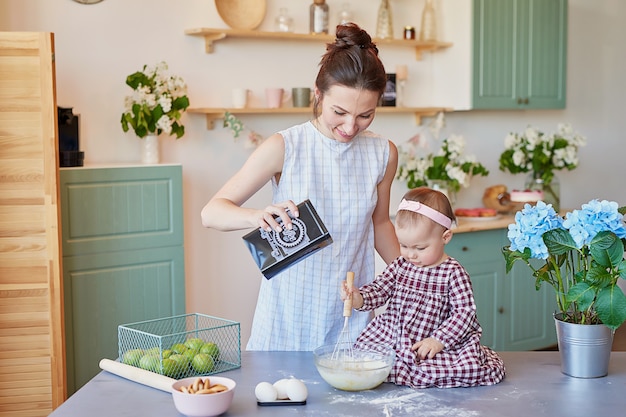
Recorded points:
(345, 14)
(409, 32)
(284, 22)
(318, 17)
(551, 190)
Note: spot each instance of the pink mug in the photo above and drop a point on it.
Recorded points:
(276, 97)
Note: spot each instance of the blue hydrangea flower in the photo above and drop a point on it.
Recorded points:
(592, 218)
(530, 224)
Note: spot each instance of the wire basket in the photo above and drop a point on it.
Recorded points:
(181, 346)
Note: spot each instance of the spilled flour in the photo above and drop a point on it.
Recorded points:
(403, 402)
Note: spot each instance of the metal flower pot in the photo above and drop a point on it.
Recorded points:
(585, 349)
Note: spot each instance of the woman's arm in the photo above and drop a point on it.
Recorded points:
(385, 240)
(224, 211)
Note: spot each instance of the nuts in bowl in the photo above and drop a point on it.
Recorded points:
(203, 396)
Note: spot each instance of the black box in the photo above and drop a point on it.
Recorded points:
(274, 251)
(388, 99)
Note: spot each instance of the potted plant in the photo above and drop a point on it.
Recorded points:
(540, 155)
(155, 106)
(448, 170)
(581, 256)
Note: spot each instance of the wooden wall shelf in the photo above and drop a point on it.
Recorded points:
(213, 114)
(211, 35)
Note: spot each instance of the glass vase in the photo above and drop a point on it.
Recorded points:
(444, 187)
(428, 30)
(150, 152)
(551, 190)
(384, 23)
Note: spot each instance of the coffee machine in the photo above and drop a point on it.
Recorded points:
(69, 144)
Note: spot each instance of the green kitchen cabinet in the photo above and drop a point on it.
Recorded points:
(123, 257)
(520, 54)
(512, 314)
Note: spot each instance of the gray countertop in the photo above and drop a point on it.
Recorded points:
(534, 386)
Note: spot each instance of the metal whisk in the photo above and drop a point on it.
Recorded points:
(343, 348)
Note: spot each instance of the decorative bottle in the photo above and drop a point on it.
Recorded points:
(384, 24)
(284, 22)
(428, 31)
(345, 14)
(318, 13)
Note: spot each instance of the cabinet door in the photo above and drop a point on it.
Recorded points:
(479, 253)
(528, 314)
(105, 290)
(520, 49)
(123, 257)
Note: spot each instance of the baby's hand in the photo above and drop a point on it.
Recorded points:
(345, 292)
(427, 348)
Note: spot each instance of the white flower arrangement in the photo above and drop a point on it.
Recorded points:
(533, 151)
(448, 164)
(157, 102)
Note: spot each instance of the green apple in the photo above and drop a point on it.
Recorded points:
(167, 353)
(132, 357)
(202, 363)
(178, 348)
(170, 367)
(211, 348)
(182, 361)
(189, 354)
(194, 344)
(150, 362)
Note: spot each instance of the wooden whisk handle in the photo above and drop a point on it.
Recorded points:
(347, 304)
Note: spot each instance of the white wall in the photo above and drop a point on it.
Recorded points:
(97, 46)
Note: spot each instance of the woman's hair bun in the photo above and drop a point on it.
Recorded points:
(350, 34)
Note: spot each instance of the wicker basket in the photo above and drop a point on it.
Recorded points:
(160, 345)
(242, 14)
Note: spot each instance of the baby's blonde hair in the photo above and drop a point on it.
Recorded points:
(432, 198)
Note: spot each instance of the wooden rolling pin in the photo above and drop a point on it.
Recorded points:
(138, 375)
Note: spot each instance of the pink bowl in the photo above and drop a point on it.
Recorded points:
(203, 405)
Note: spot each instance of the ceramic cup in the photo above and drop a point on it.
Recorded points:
(276, 97)
(301, 96)
(240, 97)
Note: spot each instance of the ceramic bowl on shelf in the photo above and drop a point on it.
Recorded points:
(354, 370)
(203, 405)
(242, 14)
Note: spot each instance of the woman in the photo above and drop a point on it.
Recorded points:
(346, 172)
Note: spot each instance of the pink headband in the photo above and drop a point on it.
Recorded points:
(424, 210)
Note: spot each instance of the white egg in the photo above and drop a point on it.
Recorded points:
(281, 388)
(296, 390)
(265, 392)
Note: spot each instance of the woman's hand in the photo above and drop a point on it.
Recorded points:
(427, 348)
(266, 217)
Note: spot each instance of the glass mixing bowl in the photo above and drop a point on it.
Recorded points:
(356, 370)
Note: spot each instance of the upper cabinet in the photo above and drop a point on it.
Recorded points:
(519, 55)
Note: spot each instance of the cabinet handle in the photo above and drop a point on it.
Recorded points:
(522, 100)
(501, 310)
(464, 249)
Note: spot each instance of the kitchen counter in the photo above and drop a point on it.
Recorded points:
(534, 386)
(476, 224)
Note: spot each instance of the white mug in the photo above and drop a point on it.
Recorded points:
(240, 97)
